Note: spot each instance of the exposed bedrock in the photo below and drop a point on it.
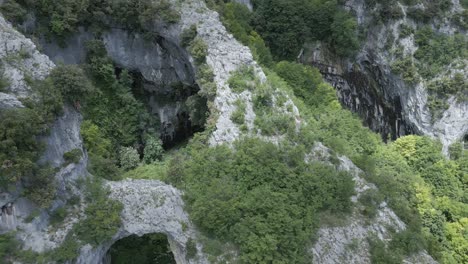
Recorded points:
(388, 105)
(159, 66)
(149, 207)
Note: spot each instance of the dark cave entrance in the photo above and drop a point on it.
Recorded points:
(147, 249)
(176, 108)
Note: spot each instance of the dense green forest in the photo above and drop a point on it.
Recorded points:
(259, 198)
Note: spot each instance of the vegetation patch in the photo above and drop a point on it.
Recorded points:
(243, 79)
(238, 116)
(224, 187)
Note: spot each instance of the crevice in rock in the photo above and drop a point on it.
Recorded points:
(169, 107)
(149, 248)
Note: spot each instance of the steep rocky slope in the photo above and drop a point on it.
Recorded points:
(389, 104)
(155, 207)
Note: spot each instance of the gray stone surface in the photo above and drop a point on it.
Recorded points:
(374, 59)
(149, 207)
(347, 242)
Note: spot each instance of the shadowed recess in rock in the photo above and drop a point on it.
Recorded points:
(151, 248)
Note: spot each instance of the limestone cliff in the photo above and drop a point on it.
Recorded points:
(388, 104)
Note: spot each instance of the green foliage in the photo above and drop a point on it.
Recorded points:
(188, 35)
(72, 156)
(153, 150)
(57, 216)
(441, 89)
(343, 36)
(18, 145)
(114, 109)
(243, 79)
(286, 25)
(205, 79)
(8, 246)
(238, 116)
(436, 51)
(72, 82)
(13, 12)
(224, 187)
(94, 140)
(371, 200)
(102, 215)
(306, 83)
(198, 49)
(405, 30)
(407, 69)
(4, 83)
(68, 250)
(103, 167)
(380, 254)
(191, 248)
(456, 150)
(41, 187)
(61, 18)
(236, 18)
(129, 158)
(153, 171)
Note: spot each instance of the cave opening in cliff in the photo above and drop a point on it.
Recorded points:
(176, 108)
(147, 249)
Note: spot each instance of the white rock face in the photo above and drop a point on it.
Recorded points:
(20, 61)
(225, 55)
(347, 243)
(149, 207)
(453, 125)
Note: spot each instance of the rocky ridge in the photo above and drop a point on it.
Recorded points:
(348, 242)
(387, 103)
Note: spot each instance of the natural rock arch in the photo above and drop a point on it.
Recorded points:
(149, 207)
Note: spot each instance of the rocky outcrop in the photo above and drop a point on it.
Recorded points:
(149, 207)
(20, 64)
(347, 242)
(389, 105)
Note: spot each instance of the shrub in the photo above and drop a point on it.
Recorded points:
(380, 254)
(67, 251)
(57, 216)
(103, 167)
(129, 158)
(8, 245)
(238, 116)
(153, 150)
(188, 35)
(205, 79)
(371, 200)
(94, 139)
(72, 82)
(242, 79)
(13, 12)
(4, 83)
(455, 150)
(41, 187)
(153, 171)
(72, 156)
(405, 30)
(103, 215)
(199, 50)
(191, 248)
(224, 187)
